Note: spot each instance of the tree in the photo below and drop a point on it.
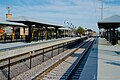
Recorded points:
(80, 30)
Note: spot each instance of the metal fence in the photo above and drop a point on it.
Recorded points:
(21, 38)
(13, 66)
(11, 38)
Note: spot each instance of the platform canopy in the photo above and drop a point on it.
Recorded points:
(4, 22)
(31, 21)
(89, 30)
(110, 22)
(65, 29)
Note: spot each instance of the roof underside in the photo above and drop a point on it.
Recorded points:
(65, 29)
(110, 22)
(4, 22)
(108, 25)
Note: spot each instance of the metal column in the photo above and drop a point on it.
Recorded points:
(56, 29)
(46, 29)
(29, 33)
(110, 34)
(107, 34)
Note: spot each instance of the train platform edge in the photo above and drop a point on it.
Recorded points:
(103, 62)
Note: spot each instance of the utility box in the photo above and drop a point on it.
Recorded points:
(27, 39)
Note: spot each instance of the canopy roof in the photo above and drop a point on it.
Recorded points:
(112, 21)
(65, 29)
(4, 22)
(89, 30)
(31, 21)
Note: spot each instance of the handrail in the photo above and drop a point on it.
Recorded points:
(25, 45)
(33, 53)
(38, 49)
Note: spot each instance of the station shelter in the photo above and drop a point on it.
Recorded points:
(111, 25)
(66, 32)
(31, 29)
(9, 31)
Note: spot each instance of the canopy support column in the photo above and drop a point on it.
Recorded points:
(113, 32)
(117, 37)
(99, 33)
(114, 37)
(29, 33)
(107, 34)
(110, 34)
(37, 34)
(56, 30)
(13, 33)
(46, 31)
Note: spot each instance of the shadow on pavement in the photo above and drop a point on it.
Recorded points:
(114, 63)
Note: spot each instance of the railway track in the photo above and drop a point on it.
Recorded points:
(70, 67)
(76, 72)
(16, 65)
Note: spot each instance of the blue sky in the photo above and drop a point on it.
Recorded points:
(84, 13)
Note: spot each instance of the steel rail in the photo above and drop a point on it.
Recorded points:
(79, 61)
(56, 64)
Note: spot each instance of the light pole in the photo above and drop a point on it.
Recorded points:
(66, 21)
(64, 29)
(102, 13)
(102, 9)
(68, 27)
(71, 29)
(85, 31)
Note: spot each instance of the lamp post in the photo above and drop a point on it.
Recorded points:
(64, 29)
(68, 27)
(65, 26)
(102, 8)
(85, 31)
(73, 30)
(102, 13)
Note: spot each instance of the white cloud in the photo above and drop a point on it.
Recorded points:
(79, 12)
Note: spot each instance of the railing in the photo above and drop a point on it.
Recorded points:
(13, 66)
(21, 38)
(11, 38)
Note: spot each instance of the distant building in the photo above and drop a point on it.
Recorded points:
(90, 32)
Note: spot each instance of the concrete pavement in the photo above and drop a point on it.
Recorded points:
(103, 62)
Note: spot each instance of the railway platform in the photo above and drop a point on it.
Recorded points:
(9, 52)
(103, 62)
(5, 46)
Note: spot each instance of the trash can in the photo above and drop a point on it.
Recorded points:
(113, 41)
(27, 39)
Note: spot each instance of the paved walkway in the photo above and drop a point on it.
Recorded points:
(103, 62)
(5, 46)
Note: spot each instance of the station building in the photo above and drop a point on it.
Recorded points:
(16, 29)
